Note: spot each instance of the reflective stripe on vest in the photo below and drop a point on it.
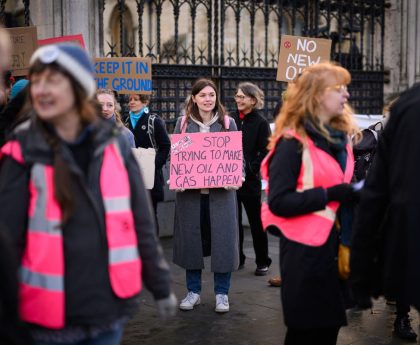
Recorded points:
(41, 293)
(123, 256)
(318, 169)
(42, 269)
(43, 281)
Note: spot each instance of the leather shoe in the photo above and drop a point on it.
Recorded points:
(275, 281)
(402, 328)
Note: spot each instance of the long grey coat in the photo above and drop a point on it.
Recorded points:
(223, 218)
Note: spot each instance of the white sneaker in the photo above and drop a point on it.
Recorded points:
(192, 299)
(222, 303)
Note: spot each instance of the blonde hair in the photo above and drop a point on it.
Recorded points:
(116, 104)
(302, 102)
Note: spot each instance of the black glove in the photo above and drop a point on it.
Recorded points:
(342, 193)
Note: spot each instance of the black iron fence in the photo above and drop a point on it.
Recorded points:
(231, 41)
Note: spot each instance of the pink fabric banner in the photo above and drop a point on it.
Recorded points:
(206, 160)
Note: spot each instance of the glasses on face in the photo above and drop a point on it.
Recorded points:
(339, 87)
(240, 97)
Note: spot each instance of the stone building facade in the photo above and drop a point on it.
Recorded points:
(402, 44)
(98, 21)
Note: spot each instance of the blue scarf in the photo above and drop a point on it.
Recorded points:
(135, 117)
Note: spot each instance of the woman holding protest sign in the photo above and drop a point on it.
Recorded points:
(308, 169)
(149, 132)
(255, 132)
(206, 220)
(108, 102)
(78, 216)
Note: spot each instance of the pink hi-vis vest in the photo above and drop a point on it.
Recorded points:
(318, 169)
(42, 270)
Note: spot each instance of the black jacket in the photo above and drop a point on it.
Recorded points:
(12, 331)
(255, 132)
(386, 251)
(10, 115)
(311, 293)
(163, 144)
(89, 299)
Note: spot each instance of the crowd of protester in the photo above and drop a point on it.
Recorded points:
(79, 229)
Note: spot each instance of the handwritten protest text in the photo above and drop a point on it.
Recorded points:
(204, 160)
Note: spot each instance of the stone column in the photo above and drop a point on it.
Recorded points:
(81, 16)
(61, 17)
(402, 8)
(410, 53)
(46, 16)
(393, 46)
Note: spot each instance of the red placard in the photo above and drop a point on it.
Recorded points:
(70, 38)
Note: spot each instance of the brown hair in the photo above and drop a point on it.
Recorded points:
(302, 102)
(143, 98)
(192, 108)
(88, 114)
(112, 93)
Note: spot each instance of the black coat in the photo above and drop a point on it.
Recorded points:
(385, 254)
(10, 115)
(163, 143)
(89, 298)
(255, 132)
(12, 331)
(311, 293)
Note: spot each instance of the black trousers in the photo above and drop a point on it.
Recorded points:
(403, 308)
(155, 206)
(252, 206)
(326, 336)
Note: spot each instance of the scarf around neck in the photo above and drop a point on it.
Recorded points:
(135, 117)
(338, 144)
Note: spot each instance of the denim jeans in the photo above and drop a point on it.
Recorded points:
(112, 337)
(221, 282)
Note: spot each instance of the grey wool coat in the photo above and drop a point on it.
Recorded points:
(187, 251)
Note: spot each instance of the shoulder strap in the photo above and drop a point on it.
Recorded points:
(183, 123)
(184, 119)
(375, 133)
(227, 122)
(151, 130)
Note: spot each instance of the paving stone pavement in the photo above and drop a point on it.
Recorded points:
(255, 316)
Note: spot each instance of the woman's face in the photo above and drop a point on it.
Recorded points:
(135, 104)
(108, 105)
(52, 95)
(332, 101)
(244, 103)
(205, 99)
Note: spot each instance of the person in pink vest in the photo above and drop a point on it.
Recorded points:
(308, 169)
(77, 212)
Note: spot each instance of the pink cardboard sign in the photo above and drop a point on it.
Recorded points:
(206, 160)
